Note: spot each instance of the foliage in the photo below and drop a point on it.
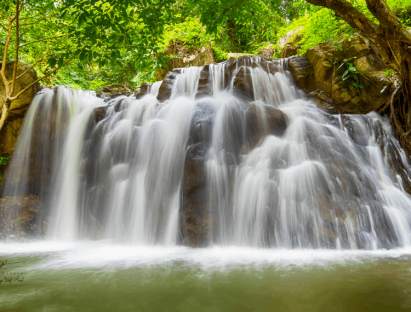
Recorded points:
(3, 161)
(219, 55)
(351, 74)
(321, 24)
(124, 41)
(242, 22)
(191, 31)
(389, 73)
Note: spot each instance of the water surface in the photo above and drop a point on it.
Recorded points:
(94, 276)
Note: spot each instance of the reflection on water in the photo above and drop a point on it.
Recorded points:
(104, 277)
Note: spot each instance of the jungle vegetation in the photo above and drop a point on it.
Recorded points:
(89, 43)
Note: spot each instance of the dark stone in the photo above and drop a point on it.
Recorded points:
(195, 225)
(302, 72)
(166, 87)
(243, 85)
(143, 90)
(205, 85)
(99, 113)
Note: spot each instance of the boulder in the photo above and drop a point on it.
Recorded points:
(112, 91)
(263, 120)
(319, 74)
(268, 50)
(292, 47)
(187, 57)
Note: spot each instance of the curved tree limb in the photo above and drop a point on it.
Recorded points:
(354, 17)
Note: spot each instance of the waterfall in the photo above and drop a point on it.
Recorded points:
(226, 154)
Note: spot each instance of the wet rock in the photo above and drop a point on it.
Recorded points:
(243, 85)
(99, 113)
(20, 217)
(264, 120)
(166, 87)
(202, 124)
(143, 90)
(112, 91)
(302, 72)
(46, 136)
(205, 85)
(323, 101)
(195, 223)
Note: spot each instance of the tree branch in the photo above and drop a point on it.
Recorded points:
(16, 55)
(4, 115)
(355, 18)
(385, 16)
(41, 19)
(42, 40)
(3, 65)
(38, 61)
(232, 7)
(45, 76)
(3, 27)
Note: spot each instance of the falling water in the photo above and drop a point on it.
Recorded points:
(236, 155)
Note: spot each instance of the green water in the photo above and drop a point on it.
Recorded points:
(131, 279)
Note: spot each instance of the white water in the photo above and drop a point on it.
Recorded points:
(85, 255)
(310, 187)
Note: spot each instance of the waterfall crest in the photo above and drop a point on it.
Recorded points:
(227, 154)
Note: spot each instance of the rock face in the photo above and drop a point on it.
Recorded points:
(20, 218)
(319, 74)
(292, 47)
(197, 218)
(164, 92)
(248, 128)
(18, 108)
(236, 68)
(186, 57)
(143, 90)
(111, 91)
(268, 50)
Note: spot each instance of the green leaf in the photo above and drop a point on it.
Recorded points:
(52, 61)
(389, 73)
(60, 61)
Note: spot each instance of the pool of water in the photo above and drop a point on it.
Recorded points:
(100, 276)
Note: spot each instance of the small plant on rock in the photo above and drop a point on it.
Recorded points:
(351, 74)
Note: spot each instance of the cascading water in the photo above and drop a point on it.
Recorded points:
(236, 155)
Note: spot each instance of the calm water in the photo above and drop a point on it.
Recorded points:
(106, 277)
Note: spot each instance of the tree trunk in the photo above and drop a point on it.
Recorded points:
(231, 27)
(394, 45)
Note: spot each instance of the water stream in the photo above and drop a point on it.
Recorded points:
(273, 186)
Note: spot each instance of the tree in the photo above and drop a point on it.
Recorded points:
(30, 26)
(394, 44)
